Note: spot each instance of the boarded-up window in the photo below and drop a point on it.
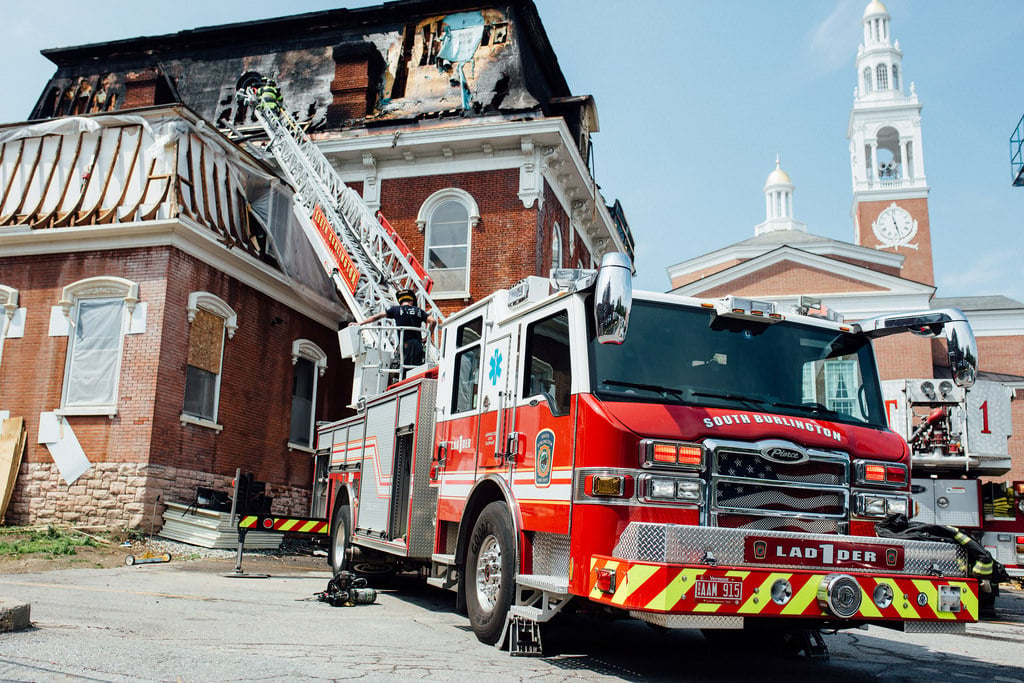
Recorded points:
(205, 341)
(202, 374)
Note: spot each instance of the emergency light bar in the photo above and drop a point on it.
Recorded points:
(749, 309)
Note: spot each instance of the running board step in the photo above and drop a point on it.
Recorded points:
(443, 572)
(544, 582)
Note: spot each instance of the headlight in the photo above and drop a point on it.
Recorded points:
(877, 505)
(673, 489)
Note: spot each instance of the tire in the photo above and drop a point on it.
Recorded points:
(337, 556)
(490, 572)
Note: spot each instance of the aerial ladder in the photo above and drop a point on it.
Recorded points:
(361, 252)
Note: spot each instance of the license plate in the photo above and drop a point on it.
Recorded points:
(722, 590)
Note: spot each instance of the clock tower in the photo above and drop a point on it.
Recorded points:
(890, 191)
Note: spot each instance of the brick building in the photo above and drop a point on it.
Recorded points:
(888, 266)
(166, 325)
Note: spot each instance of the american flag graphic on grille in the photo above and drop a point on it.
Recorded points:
(746, 483)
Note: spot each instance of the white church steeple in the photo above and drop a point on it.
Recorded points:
(885, 124)
(778, 200)
(890, 192)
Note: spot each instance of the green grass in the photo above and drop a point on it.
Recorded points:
(51, 542)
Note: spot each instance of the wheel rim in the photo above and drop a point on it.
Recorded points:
(488, 573)
(340, 545)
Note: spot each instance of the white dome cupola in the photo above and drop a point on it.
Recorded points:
(879, 60)
(778, 199)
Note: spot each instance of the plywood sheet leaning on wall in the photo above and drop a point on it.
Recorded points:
(12, 445)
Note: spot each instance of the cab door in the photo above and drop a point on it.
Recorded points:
(497, 413)
(545, 420)
(458, 427)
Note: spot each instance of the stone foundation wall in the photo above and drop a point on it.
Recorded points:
(122, 495)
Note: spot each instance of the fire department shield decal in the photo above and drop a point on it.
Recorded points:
(760, 550)
(544, 449)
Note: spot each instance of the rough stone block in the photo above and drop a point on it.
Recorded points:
(14, 616)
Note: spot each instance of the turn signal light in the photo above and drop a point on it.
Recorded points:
(896, 474)
(879, 474)
(687, 455)
(874, 473)
(608, 485)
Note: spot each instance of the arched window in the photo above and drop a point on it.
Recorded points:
(310, 362)
(882, 73)
(867, 79)
(97, 310)
(209, 317)
(447, 219)
(895, 77)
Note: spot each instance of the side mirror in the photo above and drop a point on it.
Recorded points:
(613, 298)
(949, 322)
(963, 352)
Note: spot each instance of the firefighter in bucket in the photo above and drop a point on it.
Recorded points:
(408, 318)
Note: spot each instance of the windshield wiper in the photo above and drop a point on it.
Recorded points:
(656, 388)
(811, 407)
(754, 400)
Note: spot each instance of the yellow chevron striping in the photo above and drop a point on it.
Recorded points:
(758, 598)
(867, 600)
(636, 576)
(804, 597)
(675, 590)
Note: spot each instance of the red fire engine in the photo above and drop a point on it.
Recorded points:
(691, 463)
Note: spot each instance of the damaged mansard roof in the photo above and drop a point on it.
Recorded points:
(411, 59)
(151, 177)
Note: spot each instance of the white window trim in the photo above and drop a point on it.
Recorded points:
(9, 299)
(101, 287)
(441, 196)
(423, 216)
(213, 304)
(304, 348)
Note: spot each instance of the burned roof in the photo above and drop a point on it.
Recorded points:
(394, 62)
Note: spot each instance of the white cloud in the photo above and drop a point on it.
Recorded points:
(828, 41)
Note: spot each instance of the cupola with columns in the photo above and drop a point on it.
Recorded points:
(778, 201)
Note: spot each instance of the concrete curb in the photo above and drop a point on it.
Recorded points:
(14, 616)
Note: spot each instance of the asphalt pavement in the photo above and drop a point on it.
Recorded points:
(199, 621)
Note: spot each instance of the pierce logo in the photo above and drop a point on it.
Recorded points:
(783, 455)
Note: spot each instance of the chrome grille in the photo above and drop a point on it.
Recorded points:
(751, 491)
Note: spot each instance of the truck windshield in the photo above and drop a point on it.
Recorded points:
(690, 356)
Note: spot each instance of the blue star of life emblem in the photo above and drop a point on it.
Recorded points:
(495, 372)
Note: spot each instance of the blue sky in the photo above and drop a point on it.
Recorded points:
(695, 99)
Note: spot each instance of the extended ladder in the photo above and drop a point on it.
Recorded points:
(367, 261)
(363, 255)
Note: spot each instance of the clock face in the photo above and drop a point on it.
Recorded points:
(894, 226)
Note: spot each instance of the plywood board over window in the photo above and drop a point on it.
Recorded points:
(205, 342)
(12, 446)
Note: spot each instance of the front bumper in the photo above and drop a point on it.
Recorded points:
(710, 572)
